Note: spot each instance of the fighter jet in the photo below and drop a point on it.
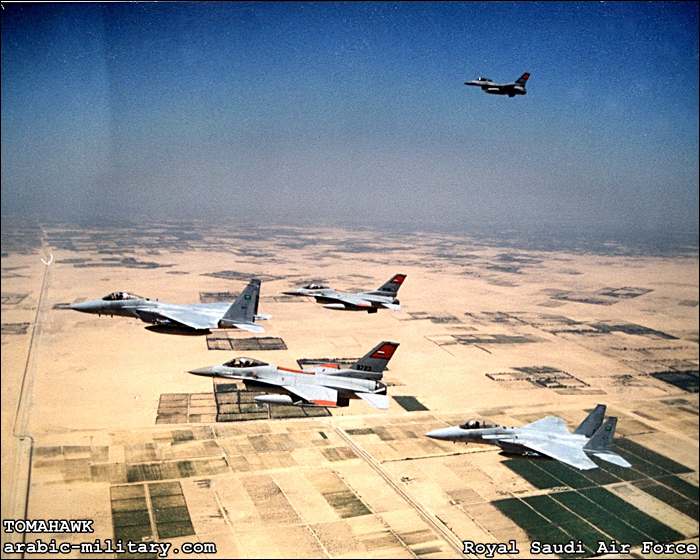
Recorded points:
(175, 318)
(384, 296)
(548, 437)
(511, 90)
(323, 385)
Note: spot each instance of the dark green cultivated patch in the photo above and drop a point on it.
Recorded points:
(686, 380)
(568, 476)
(130, 513)
(346, 504)
(359, 431)
(645, 523)
(573, 525)
(669, 496)
(601, 476)
(687, 489)
(535, 525)
(601, 518)
(170, 510)
(530, 471)
(632, 450)
(410, 403)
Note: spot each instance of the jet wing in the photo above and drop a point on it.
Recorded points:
(550, 425)
(377, 401)
(353, 300)
(314, 394)
(193, 316)
(569, 455)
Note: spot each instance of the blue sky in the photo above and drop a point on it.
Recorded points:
(353, 112)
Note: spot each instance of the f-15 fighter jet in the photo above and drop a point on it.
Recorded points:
(324, 385)
(176, 318)
(548, 437)
(511, 90)
(384, 296)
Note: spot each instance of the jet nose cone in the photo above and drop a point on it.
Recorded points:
(85, 306)
(446, 434)
(208, 371)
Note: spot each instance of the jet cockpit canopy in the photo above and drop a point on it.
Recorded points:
(315, 287)
(477, 425)
(244, 363)
(120, 296)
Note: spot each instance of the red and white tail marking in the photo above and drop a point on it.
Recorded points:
(385, 352)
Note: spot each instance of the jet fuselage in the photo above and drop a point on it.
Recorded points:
(505, 438)
(487, 85)
(274, 379)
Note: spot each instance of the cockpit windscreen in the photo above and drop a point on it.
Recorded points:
(120, 296)
(477, 425)
(244, 363)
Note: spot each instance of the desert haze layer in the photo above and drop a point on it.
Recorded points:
(101, 421)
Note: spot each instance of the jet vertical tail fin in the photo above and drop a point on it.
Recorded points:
(391, 287)
(522, 79)
(376, 360)
(244, 309)
(603, 438)
(600, 445)
(592, 422)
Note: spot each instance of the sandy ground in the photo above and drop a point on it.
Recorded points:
(80, 393)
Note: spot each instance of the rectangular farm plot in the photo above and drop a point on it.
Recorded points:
(170, 512)
(228, 341)
(606, 521)
(577, 528)
(657, 531)
(535, 525)
(338, 495)
(662, 490)
(272, 505)
(130, 515)
(633, 450)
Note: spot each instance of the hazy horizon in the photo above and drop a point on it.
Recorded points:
(354, 114)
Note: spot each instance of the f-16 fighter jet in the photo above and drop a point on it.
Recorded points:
(511, 90)
(324, 385)
(176, 318)
(384, 296)
(548, 437)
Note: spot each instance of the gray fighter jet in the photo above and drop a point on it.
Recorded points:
(548, 437)
(176, 318)
(511, 90)
(323, 385)
(384, 296)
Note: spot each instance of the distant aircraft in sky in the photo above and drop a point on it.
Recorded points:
(384, 296)
(324, 385)
(548, 437)
(175, 318)
(511, 90)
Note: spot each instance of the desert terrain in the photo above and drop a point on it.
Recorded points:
(102, 422)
